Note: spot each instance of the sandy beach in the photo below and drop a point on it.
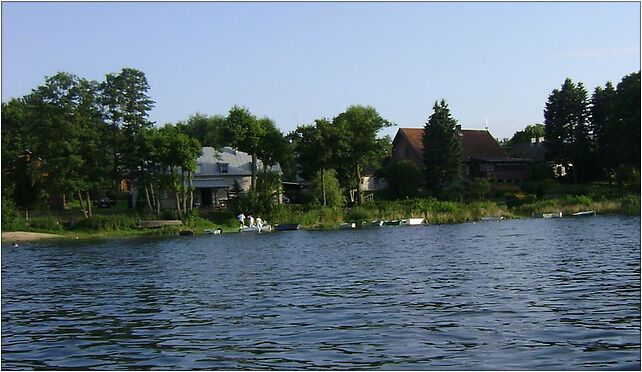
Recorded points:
(23, 236)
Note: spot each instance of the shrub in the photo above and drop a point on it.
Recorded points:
(45, 223)
(10, 216)
(579, 199)
(107, 223)
(359, 214)
(630, 204)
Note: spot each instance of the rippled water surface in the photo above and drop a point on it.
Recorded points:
(522, 294)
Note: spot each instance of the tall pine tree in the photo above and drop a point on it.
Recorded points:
(442, 154)
(568, 130)
(605, 127)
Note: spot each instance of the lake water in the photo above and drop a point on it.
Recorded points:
(520, 294)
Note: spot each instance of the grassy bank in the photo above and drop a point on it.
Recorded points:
(126, 223)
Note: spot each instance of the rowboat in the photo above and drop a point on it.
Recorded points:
(348, 225)
(414, 221)
(492, 218)
(264, 228)
(548, 215)
(584, 213)
(213, 231)
(393, 223)
(372, 224)
(287, 227)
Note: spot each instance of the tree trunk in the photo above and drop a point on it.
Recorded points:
(82, 204)
(149, 202)
(358, 174)
(157, 197)
(323, 186)
(89, 203)
(253, 180)
(184, 192)
(191, 190)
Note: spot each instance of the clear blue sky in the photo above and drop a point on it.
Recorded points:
(296, 62)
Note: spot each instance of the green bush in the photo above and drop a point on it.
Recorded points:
(630, 204)
(107, 223)
(579, 199)
(359, 214)
(45, 223)
(11, 219)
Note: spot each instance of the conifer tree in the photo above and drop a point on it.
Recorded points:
(442, 154)
(568, 129)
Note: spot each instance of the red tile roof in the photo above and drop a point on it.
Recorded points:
(476, 143)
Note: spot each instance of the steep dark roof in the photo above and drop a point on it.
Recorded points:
(475, 143)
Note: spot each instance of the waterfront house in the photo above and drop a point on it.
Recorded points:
(216, 173)
(482, 155)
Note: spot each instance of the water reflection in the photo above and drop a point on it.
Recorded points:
(534, 294)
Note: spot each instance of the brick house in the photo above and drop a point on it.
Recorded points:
(482, 155)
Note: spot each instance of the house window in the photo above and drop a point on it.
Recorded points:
(223, 167)
(199, 168)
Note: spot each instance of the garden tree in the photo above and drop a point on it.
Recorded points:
(325, 189)
(404, 179)
(358, 126)
(568, 130)
(605, 129)
(627, 113)
(315, 149)
(208, 130)
(19, 168)
(126, 103)
(531, 131)
(245, 132)
(65, 109)
(179, 156)
(442, 154)
(273, 146)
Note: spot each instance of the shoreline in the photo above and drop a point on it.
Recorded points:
(11, 237)
(26, 236)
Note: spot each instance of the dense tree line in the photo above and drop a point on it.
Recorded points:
(598, 137)
(78, 138)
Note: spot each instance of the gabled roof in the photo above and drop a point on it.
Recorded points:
(239, 162)
(475, 143)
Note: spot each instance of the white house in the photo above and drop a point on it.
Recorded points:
(216, 172)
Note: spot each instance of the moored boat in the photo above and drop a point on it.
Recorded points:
(547, 215)
(348, 226)
(584, 213)
(414, 221)
(492, 218)
(264, 228)
(393, 223)
(287, 227)
(213, 231)
(372, 224)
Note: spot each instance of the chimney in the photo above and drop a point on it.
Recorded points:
(458, 127)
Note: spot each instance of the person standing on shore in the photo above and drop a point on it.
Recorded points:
(241, 218)
(251, 221)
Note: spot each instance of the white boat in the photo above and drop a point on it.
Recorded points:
(548, 215)
(584, 213)
(414, 221)
(264, 228)
(213, 231)
(348, 225)
(492, 218)
(372, 224)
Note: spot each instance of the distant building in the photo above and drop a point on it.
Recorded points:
(216, 173)
(482, 155)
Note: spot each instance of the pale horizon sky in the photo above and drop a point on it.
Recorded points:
(296, 62)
